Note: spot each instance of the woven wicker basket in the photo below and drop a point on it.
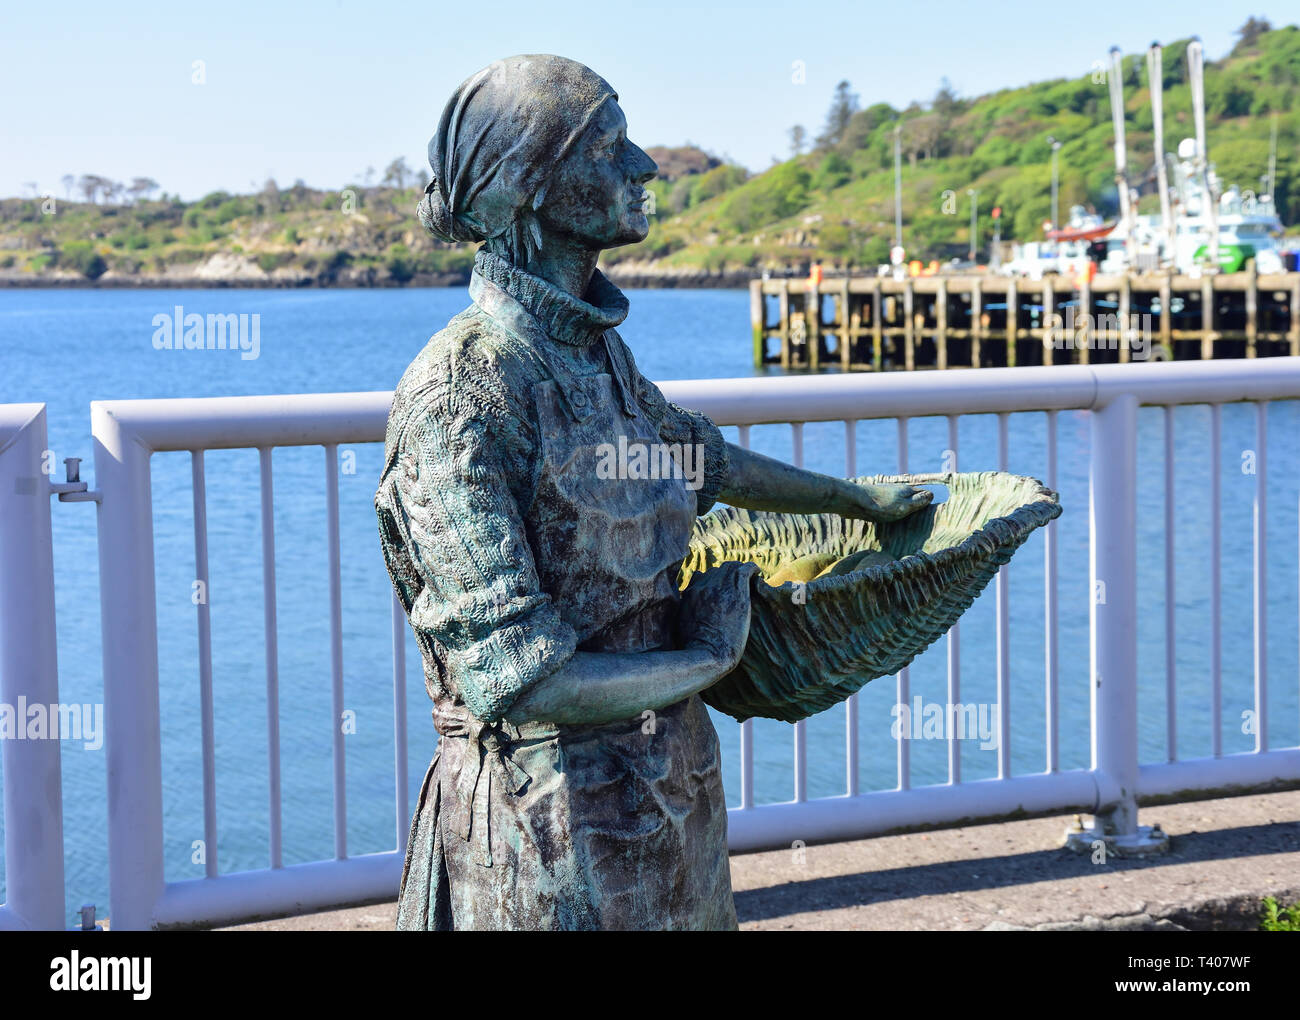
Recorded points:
(811, 646)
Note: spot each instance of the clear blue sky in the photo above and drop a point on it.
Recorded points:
(321, 90)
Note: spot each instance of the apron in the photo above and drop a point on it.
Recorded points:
(612, 826)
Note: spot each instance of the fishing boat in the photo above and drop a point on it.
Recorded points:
(1201, 225)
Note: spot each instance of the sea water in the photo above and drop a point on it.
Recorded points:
(69, 347)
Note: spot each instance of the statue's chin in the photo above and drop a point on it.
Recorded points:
(634, 232)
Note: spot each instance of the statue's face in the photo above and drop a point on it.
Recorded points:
(598, 194)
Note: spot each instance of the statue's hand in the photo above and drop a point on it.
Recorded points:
(714, 612)
(887, 502)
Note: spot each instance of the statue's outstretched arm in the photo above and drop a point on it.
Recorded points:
(756, 482)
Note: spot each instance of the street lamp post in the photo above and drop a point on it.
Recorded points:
(1056, 214)
(974, 219)
(898, 185)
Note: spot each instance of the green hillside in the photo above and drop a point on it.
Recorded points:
(833, 203)
(837, 202)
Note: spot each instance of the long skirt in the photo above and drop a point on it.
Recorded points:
(611, 827)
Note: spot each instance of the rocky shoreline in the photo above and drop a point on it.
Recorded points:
(225, 270)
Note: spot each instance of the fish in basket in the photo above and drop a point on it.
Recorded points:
(839, 602)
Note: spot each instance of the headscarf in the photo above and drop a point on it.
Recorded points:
(502, 133)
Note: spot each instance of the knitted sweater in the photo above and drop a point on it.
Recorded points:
(461, 468)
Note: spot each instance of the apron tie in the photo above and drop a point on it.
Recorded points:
(487, 745)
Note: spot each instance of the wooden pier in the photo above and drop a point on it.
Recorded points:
(985, 320)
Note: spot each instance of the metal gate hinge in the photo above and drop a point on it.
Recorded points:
(72, 489)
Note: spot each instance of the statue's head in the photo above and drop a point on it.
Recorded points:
(535, 147)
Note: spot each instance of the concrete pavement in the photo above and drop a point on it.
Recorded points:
(1226, 856)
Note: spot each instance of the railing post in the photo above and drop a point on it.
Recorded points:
(129, 621)
(33, 815)
(1113, 615)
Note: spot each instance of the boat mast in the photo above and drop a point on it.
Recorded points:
(1156, 81)
(1121, 153)
(1210, 200)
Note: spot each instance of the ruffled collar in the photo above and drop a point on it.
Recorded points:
(564, 317)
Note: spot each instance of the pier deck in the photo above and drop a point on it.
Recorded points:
(986, 320)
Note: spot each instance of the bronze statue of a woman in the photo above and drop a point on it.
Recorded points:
(577, 782)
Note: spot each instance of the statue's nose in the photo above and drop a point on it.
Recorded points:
(643, 167)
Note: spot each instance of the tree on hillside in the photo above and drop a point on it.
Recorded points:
(844, 104)
(69, 182)
(1250, 32)
(922, 137)
(798, 140)
(91, 185)
(142, 187)
(271, 195)
(945, 102)
(862, 124)
(396, 174)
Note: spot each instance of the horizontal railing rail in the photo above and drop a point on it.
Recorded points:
(126, 433)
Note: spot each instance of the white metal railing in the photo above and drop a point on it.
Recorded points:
(33, 807)
(127, 432)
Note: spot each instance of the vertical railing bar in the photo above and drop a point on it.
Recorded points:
(206, 725)
(1216, 571)
(851, 753)
(800, 728)
(904, 681)
(747, 727)
(1113, 617)
(32, 796)
(800, 761)
(1261, 576)
(336, 647)
(129, 626)
(747, 764)
(1003, 636)
(270, 630)
(1171, 661)
(1050, 646)
(401, 796)
(954, 645)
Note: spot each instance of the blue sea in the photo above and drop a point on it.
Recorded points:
(69, 347)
